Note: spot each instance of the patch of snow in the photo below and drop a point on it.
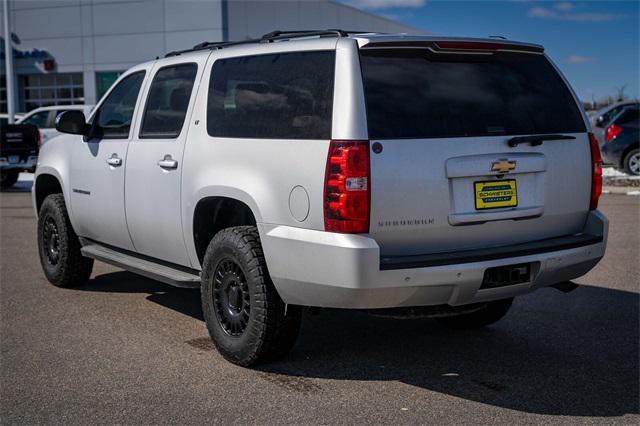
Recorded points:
(610, 171)
(27, 177)
(614, 173)
(636, 193)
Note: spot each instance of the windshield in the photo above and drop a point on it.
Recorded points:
(413, 93)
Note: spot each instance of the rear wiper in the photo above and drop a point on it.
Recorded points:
(537, 139)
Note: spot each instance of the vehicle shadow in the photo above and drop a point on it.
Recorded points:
(20, 186)
(183, 300)
(571, 354)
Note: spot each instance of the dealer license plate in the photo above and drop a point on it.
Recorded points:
(495, 194)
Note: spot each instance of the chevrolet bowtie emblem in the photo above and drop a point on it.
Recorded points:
(503, 166)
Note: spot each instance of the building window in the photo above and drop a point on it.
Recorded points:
(3, 94)
(51, 89)
(104, 80)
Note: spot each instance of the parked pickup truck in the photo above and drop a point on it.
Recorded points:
(389, 173)
(19, 144)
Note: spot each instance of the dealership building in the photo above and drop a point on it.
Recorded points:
(71, 51)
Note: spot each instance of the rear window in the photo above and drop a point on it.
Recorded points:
(275, 96)
(412, 93)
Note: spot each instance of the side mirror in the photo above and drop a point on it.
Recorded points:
(72, 122)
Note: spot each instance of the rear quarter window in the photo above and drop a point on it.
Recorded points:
(275, 96)
(629, 116)
(412, 93)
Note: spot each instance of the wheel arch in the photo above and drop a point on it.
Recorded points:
(45, 184)
(214, 213)
(625, 152)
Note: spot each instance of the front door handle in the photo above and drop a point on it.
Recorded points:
(114, 160)
(168, 163)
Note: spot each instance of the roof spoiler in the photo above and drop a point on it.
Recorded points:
(459, 46)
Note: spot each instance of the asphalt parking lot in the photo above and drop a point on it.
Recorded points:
(125, 349)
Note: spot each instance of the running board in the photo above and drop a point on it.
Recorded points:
(141, 266)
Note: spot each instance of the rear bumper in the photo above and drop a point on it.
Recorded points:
(315, 268)
(28, 164)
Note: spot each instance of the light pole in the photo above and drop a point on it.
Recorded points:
(8, 61)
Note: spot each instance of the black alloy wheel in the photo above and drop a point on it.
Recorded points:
(231, 297)
(51, 241)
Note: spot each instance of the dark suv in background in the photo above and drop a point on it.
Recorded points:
(621, 146)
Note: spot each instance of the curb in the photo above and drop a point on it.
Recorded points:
(621, 190)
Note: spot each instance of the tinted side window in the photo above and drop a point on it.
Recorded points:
(113, 119)
(40, 119)
(411, 93)
(168, 101)
(609, 115)
(629, 116)
(277, 96)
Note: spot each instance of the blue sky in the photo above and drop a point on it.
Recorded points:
(595, 43)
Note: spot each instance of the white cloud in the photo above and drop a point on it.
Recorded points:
(541, 12)
(564, 6)
(578, 59)
(546, 13)
(385, 4)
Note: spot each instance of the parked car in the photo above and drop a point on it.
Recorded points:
(601, 119)
(18, 151)
(4, 118)
(622, 141)
(391, 173)
(44, 118)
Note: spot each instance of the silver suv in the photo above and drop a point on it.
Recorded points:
(401, 174)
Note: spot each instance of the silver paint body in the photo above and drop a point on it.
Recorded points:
(421, 200)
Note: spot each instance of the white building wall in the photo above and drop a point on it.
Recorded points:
(111, 35)
(89, 36)
(253, 18)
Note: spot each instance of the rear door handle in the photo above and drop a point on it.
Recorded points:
(168, 163)
(114, 161)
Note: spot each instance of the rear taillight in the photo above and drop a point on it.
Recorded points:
(347, 187)
(596, 172)
(39, 138)
(612, 132)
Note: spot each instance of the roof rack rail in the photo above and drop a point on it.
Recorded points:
(267, 38)
(276, 35)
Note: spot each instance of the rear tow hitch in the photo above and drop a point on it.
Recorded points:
(566, 286)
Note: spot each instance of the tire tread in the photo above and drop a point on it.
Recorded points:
(75, 269)
(275, 325)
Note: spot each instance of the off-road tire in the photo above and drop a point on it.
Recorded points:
(271, 326)
(71, 268)
(490, 313)
(627, 162)
(9, 178)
